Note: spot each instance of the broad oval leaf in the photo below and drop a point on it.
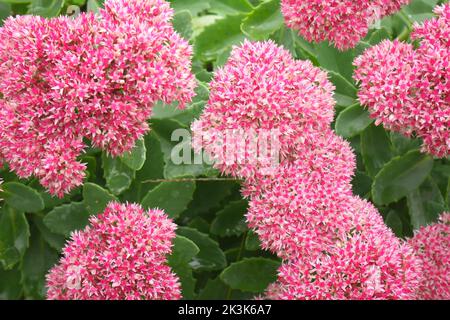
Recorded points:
(135, 159)
(264, 20)
(401, 176)
(345, 92)
(376, 149)
(95, 198)
(182, 23)
(230, 7)
(172, 197)
(22, 197)
(230, 221)
(183, 251)
(118, 176)
(210, 257)
(251, 275)
(425, 204)
(9, 284)
(14, 236)
(352, 121)
(67, 218)
(218, 37)
(38, 259)
(252, 242)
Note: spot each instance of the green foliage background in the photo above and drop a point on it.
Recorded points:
(215, 255)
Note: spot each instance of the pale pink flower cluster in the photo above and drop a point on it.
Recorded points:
(95, 77)
(262, 88)
(407, 89)
(431, 244)
(333, 244)
(342, 22)
(121, 255)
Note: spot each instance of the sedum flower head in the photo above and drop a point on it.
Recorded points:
(121, 255)
(320, 156)
(431, 244)
(372, 264)
(408, 90)
(95, 77)
(342, 22)
(263, 89)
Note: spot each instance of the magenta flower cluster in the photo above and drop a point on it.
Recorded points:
(408, 90)
(342, 22)
(334, 245)
(94, 77)
(431, 245)
(262, 88)
(121, 255)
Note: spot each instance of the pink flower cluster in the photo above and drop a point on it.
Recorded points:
(334, 245)
(262, 88)
(95, 77)
(121, 255)
(431, 244)
(368, 266)
(342, 22)
(408, 90)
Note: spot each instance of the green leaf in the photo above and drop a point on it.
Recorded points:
(153, 169)
(379, 35)
(182, 23)
(448, 194)
(420, 10)
(91, 171)
(403, 144)
(154, 165)
(362, 184)
(22, 197)
(67, 218)
(172, 197)
(345, 93)
(376, 149)
(54, 240)
(118, 176)
(10, 288)
(182, 253)
(352, 121)
(46, 8)
(425, 204)
(230, 7)
(95, 198)
(214, 289)
(285, 37)
(332, 59)
(14, 236)
(209, 195)
(401, 176)
(38, 259)
(252, 242)
(164, 130)
(251, 275)
(210, 257)
(218, 37)
(5, 11)
(230, 221)
(136, 158)
(394, 222)
(94, 5)
(194, 6)
(264, 20)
